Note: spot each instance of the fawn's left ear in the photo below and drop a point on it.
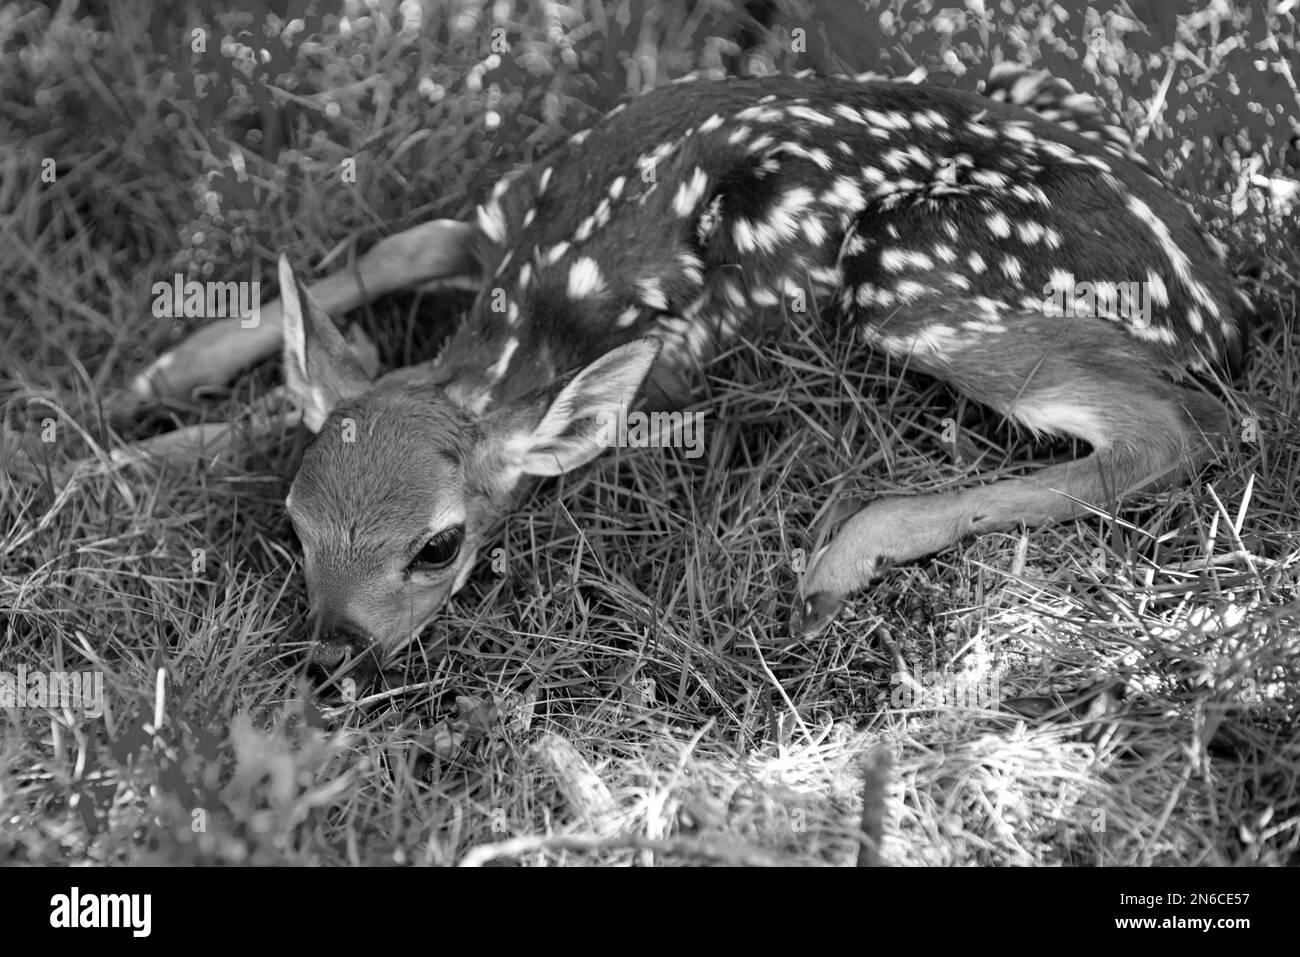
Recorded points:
(319, 369)
(576, 423)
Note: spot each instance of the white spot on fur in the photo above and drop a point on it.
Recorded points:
(1057, 151)
(890, 120)
(992, 308)
(999, 225)
(738, 135)
(809, 115)
(1029, 232)
(781, 223)
(651, 293)
(692, 267)
(897, 260)
(844, 194)
(498, 369)
(1159, 294)
(1016, 130)
(759, 114)
(1061, 281)
(816, 155)
(848, 113)
(690, 193)
(492, 222)
(895, 159)
(585, 279)
(908, 289)
(824, 275)
(990, 178)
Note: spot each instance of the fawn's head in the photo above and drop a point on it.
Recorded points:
(402, 486)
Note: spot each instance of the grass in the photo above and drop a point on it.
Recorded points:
(620, 686)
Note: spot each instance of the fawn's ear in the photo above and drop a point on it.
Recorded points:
(576, 422)
(319, 369)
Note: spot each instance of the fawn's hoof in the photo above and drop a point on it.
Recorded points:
(815, 612)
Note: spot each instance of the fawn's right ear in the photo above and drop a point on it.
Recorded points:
(319, 369)
(576, 422)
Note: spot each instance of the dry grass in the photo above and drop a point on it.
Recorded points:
(625, 691)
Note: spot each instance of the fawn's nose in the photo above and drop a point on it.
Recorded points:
(336, 640)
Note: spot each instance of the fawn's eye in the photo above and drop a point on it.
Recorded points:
(440, 550)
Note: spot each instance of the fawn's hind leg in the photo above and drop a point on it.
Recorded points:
(1080, 377)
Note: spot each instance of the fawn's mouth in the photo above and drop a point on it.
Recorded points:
(345, 657)
(337, 661)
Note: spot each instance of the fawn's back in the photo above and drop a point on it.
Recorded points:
(937, 225)
(703, 209)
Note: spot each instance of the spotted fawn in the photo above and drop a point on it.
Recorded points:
(994, 241)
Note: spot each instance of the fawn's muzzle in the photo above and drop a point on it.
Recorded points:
(335, 641)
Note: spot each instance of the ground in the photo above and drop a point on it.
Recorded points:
(618, 684)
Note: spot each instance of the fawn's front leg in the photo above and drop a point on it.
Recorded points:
(1144, 430)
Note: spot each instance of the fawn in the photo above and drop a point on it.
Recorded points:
(944, 227)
